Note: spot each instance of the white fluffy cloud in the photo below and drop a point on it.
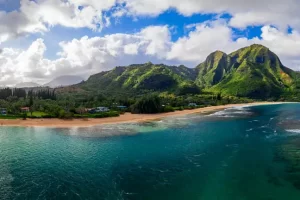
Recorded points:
(72, 13)
(14, 24)
(39, 15)
(244, 13)
(17, 64)
(83, 56)
(86, 55)
(217, 35)
(204, 39)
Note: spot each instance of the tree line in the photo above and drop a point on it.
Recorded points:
(5, 93)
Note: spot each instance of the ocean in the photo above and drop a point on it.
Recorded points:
(241, 153)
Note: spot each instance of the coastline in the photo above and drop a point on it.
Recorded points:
(126, 118)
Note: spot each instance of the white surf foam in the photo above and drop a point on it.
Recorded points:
(232, 112)
(293, 130)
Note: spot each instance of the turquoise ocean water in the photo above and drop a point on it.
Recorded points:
(243, 153)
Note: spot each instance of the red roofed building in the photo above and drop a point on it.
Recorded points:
(25, 109)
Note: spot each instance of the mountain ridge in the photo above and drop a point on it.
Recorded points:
(27, 85)
(62, 81)
(253, 71)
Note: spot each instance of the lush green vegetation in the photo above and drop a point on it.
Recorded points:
(99, 115)
(251, 73)
(68, 105)
(148, 104)
(10, 116)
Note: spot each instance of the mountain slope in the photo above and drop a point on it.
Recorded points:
(214, 69)
(254, 72)
(64, 81)
(143, 77)
(258, 74)
(27, 85)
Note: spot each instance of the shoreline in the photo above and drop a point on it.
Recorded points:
(125, 118)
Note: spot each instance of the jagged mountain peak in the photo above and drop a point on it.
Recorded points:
(214, 68)
(255, 53)
(258, 45)
(253, 71)
(218, 52)
(215, 56)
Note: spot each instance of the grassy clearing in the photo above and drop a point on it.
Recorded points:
(37, 114)
(9, 117)
(99, 115)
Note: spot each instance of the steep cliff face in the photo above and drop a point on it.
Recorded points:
(253, 71)
(214, 69)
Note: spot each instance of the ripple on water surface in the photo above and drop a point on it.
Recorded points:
(250, 155)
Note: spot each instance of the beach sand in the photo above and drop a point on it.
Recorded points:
(126, 118)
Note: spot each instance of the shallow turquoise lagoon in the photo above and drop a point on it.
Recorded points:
(243, 153)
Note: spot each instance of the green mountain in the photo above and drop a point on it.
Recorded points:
(253, 71)
(214, 69)
(141, 78)
(256, 72)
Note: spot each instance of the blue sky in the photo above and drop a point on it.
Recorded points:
(121, 25)
(43, 39)
(128, 25)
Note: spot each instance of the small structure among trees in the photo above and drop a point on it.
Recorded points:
(25, 109)
(3, 111)
(193, 105)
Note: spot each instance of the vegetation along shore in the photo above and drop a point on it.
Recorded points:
(251, 74)
(124, 118)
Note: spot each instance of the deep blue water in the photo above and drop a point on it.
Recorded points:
(241, 153)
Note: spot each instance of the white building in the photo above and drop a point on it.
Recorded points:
(102, 109)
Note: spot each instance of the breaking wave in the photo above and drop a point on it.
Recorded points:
(238, 111)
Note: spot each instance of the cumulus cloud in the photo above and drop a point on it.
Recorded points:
(38, 16)
(244, 13)
(101, 53)
(72, 13)
(14, 24)
(83, 56)
(86, 56)
(17, 64)
(218, 35)
(286, 45)
(204, 39)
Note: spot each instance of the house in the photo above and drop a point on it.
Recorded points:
(122, 107)
(91, 110)
(3, 111)
(25, 109)
(193, 105)
(98, 110)
(87, 110)
(101, 109)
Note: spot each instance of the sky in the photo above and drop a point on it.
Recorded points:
(44, 39)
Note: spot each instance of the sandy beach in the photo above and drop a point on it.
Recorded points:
(126, 118)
